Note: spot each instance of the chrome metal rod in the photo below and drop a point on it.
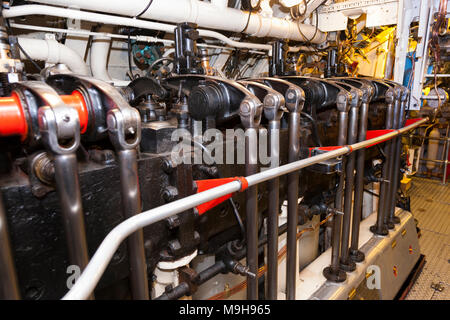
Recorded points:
(91, 275)
(131, 203)
(273, 211)
(380, 228)
(68, 189)
(352, 137)
(393, 160)
(356, 255)
(337, 224)
(251, 211)
(292, 214)
(397, 143)
(9, 288)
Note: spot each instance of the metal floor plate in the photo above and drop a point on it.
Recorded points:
(430, 205)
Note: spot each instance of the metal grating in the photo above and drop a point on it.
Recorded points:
(430, 205)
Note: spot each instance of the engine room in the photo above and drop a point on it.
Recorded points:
(219, 150)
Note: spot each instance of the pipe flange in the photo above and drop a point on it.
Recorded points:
(380, 231)
(357, 256)
(335, 276)
(347, 265)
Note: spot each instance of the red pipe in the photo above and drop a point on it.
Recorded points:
(13, 120)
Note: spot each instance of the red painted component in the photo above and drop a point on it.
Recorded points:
(376, 133)
(411, 121)
(203, 185)
(13, 120)
(77, 101)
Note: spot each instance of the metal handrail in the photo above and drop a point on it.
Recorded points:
(88, 280)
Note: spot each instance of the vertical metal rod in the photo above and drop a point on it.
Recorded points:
(273, 210)
(334, 272)
(380, 228)
(9, 288)
(355, 254)
(445, 157)
(68, 189)
(251, 210)
(131, 202)
(392, 154)
(397, 150)
(292, 214)
(352, 138)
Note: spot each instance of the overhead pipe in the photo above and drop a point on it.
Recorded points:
(52, 51)
(99, 55)
(33, 9)
(204, 14)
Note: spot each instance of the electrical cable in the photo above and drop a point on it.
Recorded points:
(129, 55)
(308, 41)
(145, 10)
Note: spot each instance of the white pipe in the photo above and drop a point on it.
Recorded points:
(32, 9)
(204, 14)
(52, 51)
(124, 37)
(99, 55)
(91, 275)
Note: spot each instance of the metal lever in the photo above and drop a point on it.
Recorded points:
(294, 102)
(124, 123)
(380, 227)
(333, 272)
(273, 110)
(250, 113)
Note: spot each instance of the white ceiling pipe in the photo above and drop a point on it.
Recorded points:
(52, 51)
(26, 10)
(204, 14)
(99, 55)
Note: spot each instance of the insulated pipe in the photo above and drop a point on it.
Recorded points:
(52, 51)
(88, 280)
(380, 228)
(9, 288)
(204, 14)
(99, 55)
(25, 10)
(392, 219)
